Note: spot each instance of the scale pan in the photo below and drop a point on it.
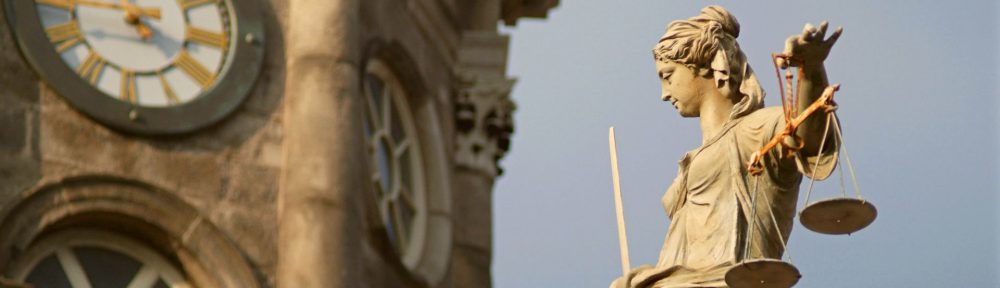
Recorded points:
(762, 273)
(838, 216)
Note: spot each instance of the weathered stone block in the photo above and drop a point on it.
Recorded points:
(13, 131)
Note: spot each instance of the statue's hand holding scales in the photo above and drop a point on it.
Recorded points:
(810, 46)
(807, 51)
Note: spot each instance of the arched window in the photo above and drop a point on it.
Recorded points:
(410, 170)
(397, 174)
(132, 221)
(83, 258)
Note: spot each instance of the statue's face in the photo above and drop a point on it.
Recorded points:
(684, 88)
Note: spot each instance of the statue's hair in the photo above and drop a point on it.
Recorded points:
(696, 42)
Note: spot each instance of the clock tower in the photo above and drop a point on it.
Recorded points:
(252, 143)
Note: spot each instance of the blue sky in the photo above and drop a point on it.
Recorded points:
(918, 108)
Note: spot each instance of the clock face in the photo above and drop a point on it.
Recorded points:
(145, 66)
(146, 52)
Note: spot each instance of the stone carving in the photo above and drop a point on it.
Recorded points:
(483, 122)
(716, 222)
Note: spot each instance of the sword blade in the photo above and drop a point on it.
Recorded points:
(619, 211)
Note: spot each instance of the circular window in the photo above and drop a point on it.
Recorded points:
(94, 258)
(396, 164)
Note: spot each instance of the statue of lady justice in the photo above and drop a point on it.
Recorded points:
(704, 74)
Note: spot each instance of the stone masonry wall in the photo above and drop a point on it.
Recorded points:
(228, 171)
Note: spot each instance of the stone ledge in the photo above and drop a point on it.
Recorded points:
(512, 10)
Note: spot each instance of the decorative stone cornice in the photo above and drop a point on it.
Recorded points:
(516, 9)
(484, 122)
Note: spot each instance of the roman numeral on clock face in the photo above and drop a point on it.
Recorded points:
(194, 69)
(61, 4)
(188, 4)
(171, 96)
(206, 37)
(63, 32)
(128, 91)
(91, 67)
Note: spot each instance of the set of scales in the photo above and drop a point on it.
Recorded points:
(835, 216)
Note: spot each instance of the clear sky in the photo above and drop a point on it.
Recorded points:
(918, 105)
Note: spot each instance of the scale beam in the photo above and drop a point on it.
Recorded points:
(824, 101)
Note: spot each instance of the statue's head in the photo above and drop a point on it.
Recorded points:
(701, 53)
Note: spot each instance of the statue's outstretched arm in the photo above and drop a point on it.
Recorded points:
(808, 50)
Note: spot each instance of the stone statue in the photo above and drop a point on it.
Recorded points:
(704, 74)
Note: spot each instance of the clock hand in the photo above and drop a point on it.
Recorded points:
(132, 17)
(135, 9)
(144, 32)
(148, 12)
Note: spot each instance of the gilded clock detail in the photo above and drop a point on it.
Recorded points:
(144, 66)
(151, 53)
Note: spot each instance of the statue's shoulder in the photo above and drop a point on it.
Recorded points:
(763, 116)
(756, 128)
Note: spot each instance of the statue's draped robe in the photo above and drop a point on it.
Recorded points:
(711, 196)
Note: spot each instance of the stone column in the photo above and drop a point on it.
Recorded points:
(320, 232)
(472, 253)
(483, 126)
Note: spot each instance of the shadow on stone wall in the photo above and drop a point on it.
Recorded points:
(19, 118)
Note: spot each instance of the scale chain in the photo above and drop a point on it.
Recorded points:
(840, 173)
(752, 219)
(822, 143)
(777, 228)
(847, 156)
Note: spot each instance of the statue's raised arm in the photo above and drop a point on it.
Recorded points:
(808, 51)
